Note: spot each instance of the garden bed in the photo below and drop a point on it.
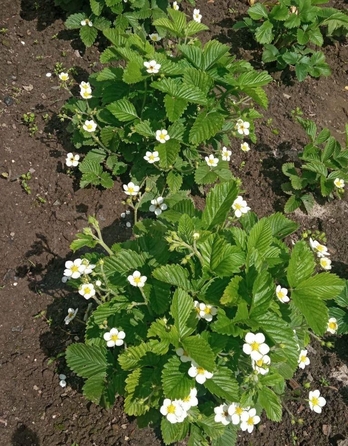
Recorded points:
(37, 228)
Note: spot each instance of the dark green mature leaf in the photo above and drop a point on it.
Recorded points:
(271, 403)
(175, 380)
(175, 107)
(264, 34)
(206, 125)
(168, 153)
(173, 432)
(263, 293)
(174, 275)
(200, 351)
(212, 52)
(226, 326)
(281, 226)
(270, 53)
(204, 175)
(313, 309)
(88, 35)
(124, 262)
(96, 6)
(292, 204)
(260, 237)
(301, 264)
(258, 11)
(324, 286)
(181, 309)
(229, 437)
(74, 20)
(342, 298)
(87, 360)
(123, 110)
(174, 181)
(223, 384)
(218, 204)
(193, 54)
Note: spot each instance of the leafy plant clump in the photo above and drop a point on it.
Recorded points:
(290, 30)
(165, 113)
(322, 169)
(193, 323)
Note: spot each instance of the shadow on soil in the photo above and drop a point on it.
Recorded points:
(23, 436)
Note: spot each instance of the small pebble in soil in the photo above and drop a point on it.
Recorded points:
(8, 100)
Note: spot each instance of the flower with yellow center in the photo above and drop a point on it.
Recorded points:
(316, 402)
(199, 373)
(303, 360)
(131, 189)
(325, 263)
(332, 325)
(64, 77)
(205, 311)
(151, 157)
(211, 161)
(89, 126)
(152, 67)
(245, 147)
(136, 279)
(155, 37)
(339, 183)
(87, 290)
(282, 294)
(190, 400)
(114, 337)
(162, 136)
(73, 269)
(261, 365)
(255, 346)
(173, 411)
(222, 415)
(320, 250)
(242, 127)
(235, 411)
(248, 419)
(240, 207)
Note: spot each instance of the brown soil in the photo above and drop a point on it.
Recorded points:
(37, 228)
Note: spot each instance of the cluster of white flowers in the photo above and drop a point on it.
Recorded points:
(85, 90)
(197, 16)
(236, 414)
(152, 157)
(303, 359)
(316, 402)
(242, 127)
(257, 349)
(176, 410)
(75, 268)
(136, 279)
(162, 136)
(205, 311)
(282, 294)
(322, 253)
(131, 189)
(63, 77)
(89, 126)
(240, 206)
(86, 22)
(71, 315)
(339, 183)
(211, 161)
(72, 160)
(114, 337)
(158, 205)
(152, 67)
(332, 325)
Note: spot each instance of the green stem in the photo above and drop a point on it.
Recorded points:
(144, 100)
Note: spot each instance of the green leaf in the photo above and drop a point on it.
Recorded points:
(313, 309)
(173, 432)
(174, 275)
(88, 35)
(260, 237)
(301, 70)
(74, 21)
(263, 293)
(218, 204)
(253, 79)
(124, 262)
(123, 110)
(281, 226)
(264, 34)
(193, 54)
(231, 295)
(302, 36)
(301, 264)
(83, 240)
(223, 384)
(133, 73)
(193, 28)
(144, 129)
(96, 6)
(258, 11)
(204, 175)
(229, 437)
(293, 21)
(186, 228)
(159, 296)
(175, 107)
(87, 360)
(168, 153)
(206, 125)
(324, 286)
(181, 309)
(175, 380)
(270, 53)
(212, 52)
(271, 403)
(200, 351)
(94, 388)
(174, 181)
(292, 204)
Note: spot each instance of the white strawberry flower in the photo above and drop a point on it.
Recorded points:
(64, 77)
(73, 268)
(155, 37)
(211, 160)
(242, 127)
(197, 17)
(325, 263)
(190, 400)
(316, 402)
(199, 373)
(226, 154)
(136, 279)
(158, 205)
(173, 411)
(205, 311)
(89, 126)
(303, 359)
(240, 206)
(86, 93)
(339, 183)
(131, 189)
(152, 67)
(183, 355)
(245, 147)
(72, 160)
(86, 22)
(86, 267)
(151, 157)
(248, 419)
(114, 337)
(332, 325)
(255, 345)
(175, 6)
(162, 136)
(71, 315)
(235, 411)
(320, 250)
(222, 415)
(87, 290)
(282, 294)
(85, 86)
(261, 365)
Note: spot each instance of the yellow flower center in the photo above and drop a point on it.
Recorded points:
(207, 310)
(238, 206)
(162, 136)
(239, 410)
(200, 371)
(131, 190)
(87, 290)
(137, 279)
(332, 325)
(303, 358)
(259, 363)
(250, 421)
(151, 157)
(171, 408)
(186, 399)
(280, 294)
(315, 401)
(114, 337)
(89, 126)
(255, 346)
(320, 248)
(74, 268)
